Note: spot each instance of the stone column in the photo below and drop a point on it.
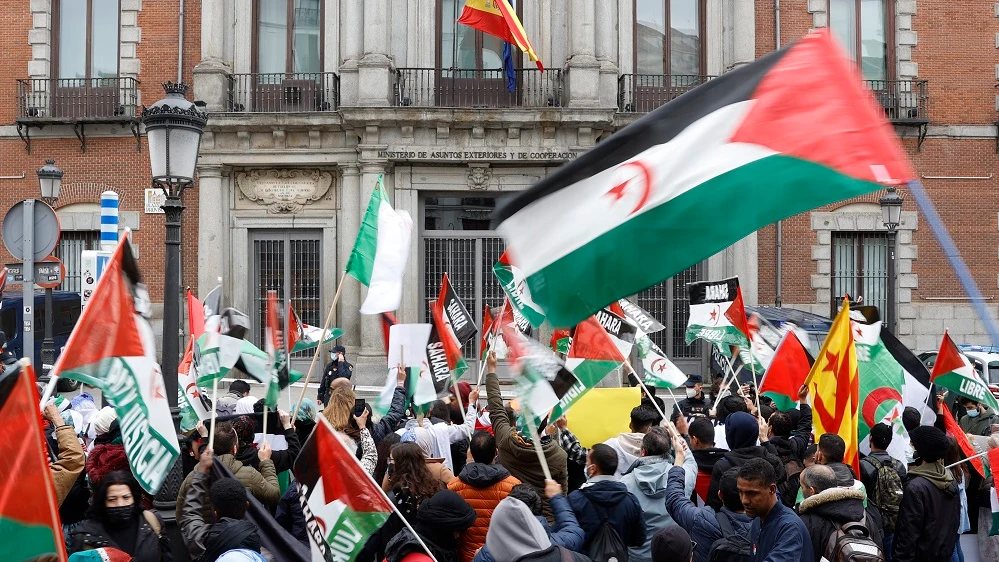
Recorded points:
(606, 50)
(374, 68)
(352, 46)
(211, 75)
(372, 349)
(349, 221)
(213, 224)
(743, 33)
(584, 69)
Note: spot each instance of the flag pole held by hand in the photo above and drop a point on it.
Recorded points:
(322, 338)
(215, 387)
(641, 383)
(536, 439)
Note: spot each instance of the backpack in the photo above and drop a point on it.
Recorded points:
(789, 488)
(606, 545)
(887, 493)
(731, 547)
(851, 542)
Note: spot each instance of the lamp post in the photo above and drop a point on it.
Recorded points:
(891, 216)
(50, 183)
(173, 127)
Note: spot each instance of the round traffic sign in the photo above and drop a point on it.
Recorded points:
(49, 276)
(46, 232)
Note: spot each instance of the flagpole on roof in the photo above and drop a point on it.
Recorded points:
(322, 338)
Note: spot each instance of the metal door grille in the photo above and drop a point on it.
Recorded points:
(71, 246)
(668, 302)
(291, 265)
(860, 269)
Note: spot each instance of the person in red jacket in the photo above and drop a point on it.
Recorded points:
(483, 485)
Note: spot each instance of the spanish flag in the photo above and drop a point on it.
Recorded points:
(833, 387)
(496, 17)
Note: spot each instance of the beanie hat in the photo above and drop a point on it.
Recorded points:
(672, 543)
(102, 420)
(741, 430)
(931, 444)
(447, 511)
(106, 554)
(881, 436)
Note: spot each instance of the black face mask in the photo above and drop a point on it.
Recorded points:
(121, 516)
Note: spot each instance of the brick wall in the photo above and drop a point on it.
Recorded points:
(956, 52)
(111, 157)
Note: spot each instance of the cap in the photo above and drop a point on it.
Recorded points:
(339, 349)
(692, 380)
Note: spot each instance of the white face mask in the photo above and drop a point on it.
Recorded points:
(691, 393)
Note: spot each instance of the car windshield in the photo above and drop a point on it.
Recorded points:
(994, 372)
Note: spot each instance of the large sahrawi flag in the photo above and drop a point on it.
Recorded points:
(112, 348)
(795, 130)
(342, 504)
(380, 252)
(715, 309)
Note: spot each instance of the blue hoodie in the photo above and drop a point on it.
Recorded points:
(699, 522)
(647, 482)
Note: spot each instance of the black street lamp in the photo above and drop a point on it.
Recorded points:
(173, 127)
(50, 183)
(891, 216)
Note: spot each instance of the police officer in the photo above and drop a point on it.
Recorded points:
(337, 368)
(695, 405)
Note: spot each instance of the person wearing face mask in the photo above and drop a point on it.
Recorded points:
(696, 404)
(337, 368)
(603, 499)
(978, 418)
(117, 520)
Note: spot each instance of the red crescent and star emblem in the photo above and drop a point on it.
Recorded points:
(618, 191)
(659, 365)
(713, 315)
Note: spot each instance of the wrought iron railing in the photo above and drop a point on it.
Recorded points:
(903, 101)
(284, 93)
(77, 98)
(641, 93)
(436, 87)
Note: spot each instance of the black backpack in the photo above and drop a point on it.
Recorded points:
(731, 547)
(852, 542)
(606, 545)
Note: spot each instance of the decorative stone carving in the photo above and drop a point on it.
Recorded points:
(285, 190)
(478, 177)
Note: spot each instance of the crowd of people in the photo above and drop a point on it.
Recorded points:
(733, 479)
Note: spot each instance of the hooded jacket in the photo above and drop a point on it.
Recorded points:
(980, 424)
(647, 482)
(824, 512)
(603, 499)
(69, 463)
(91, 534)
(483, 486)
(566, 533)
(518, 455)
(516, 535)
(706, 459)
(629, 449)
(699, 522)
(736, 458)
(928, 515)
(263, 484)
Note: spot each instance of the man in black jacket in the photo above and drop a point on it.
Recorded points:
(827, 507)
(930, 512)
(741, 431)
(604, 499)
(337, 368)
(881, 437)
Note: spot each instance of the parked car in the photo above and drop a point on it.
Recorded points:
(775, 320)
(66, 311)
(984, 358)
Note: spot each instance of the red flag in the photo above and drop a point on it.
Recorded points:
(786, 373)
(31, 524)
(195, 315)
(388, 320)
(487, 332)
(452, 349)
(591, 342)
(558, 335)
(293, 330)
(957, 433)
(736, 314)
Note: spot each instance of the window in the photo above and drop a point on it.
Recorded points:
(682, 53)
(859, 269)
(70, 248)
(862, 27)
(464, 48)
(669, 303)
(86, 38)
(291, 264)
(288, 36)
